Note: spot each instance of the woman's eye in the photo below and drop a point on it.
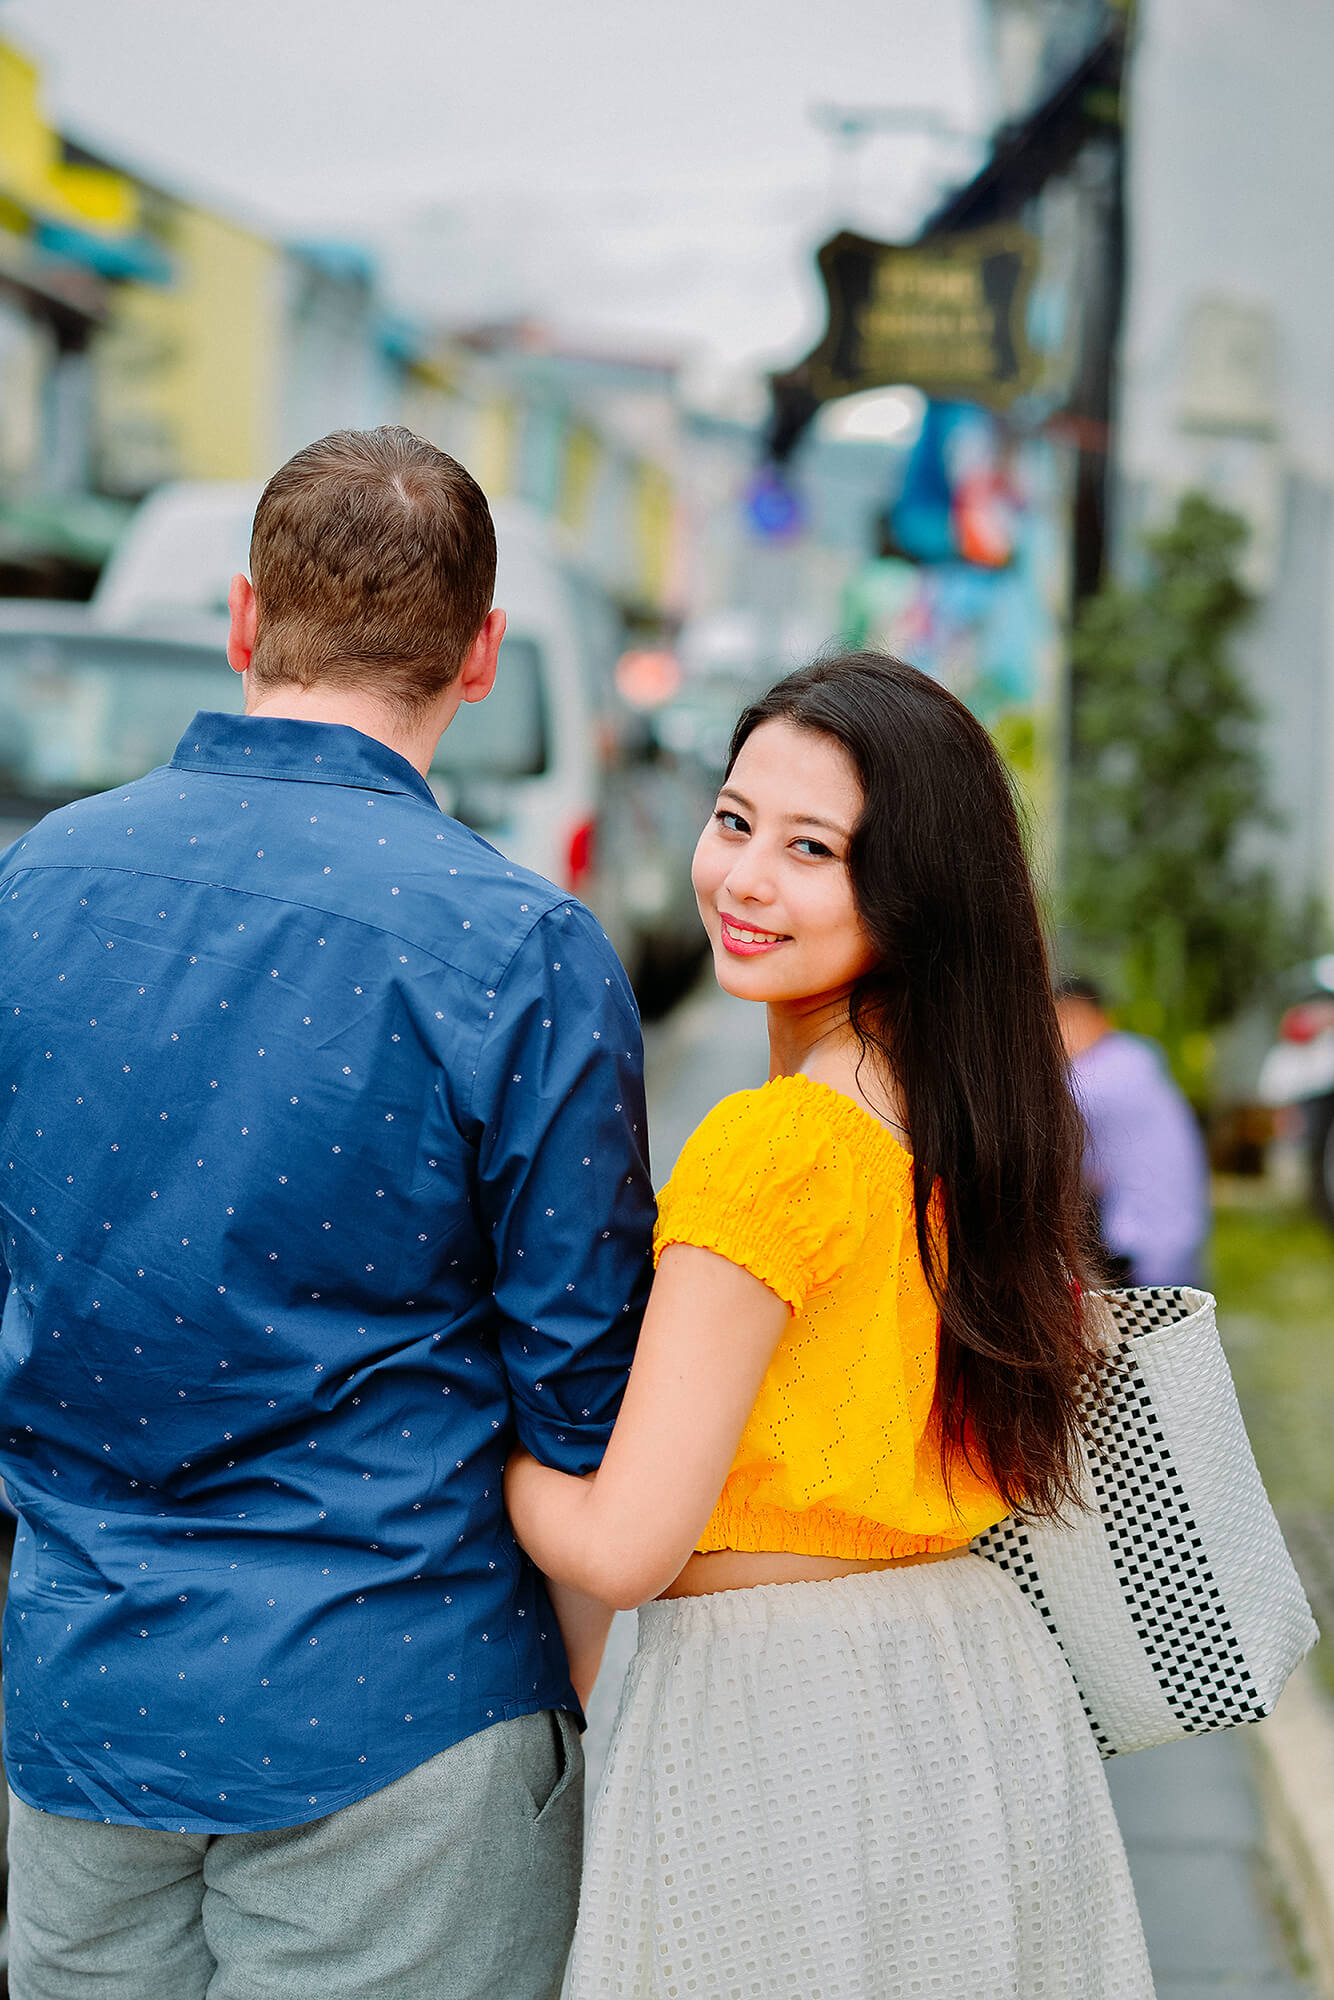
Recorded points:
(731, 822)
(808, 845)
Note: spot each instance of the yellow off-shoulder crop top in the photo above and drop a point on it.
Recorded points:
(841, 1453)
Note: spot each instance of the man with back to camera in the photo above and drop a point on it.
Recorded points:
(323, 1179)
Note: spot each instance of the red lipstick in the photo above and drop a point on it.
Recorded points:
(748, 940)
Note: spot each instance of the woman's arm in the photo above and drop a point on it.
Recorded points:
(708, 1336)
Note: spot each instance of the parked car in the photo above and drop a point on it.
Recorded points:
(82, 710)
(1299, 1071)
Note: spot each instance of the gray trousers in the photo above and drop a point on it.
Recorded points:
(459, 1881)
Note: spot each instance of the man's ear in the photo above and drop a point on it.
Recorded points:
(244, 614)
(477, 676)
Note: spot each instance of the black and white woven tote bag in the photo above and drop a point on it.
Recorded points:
(1173, 1597)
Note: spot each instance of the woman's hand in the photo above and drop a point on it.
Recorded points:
(584, 1625)
(584, 1621)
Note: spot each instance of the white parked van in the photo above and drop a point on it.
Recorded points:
(522, 766)
(173, 564)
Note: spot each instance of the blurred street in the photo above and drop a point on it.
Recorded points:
(1212, 1912)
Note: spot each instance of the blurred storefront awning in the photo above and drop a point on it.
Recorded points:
(134, 256)
(68, 292)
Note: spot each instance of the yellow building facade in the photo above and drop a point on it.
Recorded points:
(36, 181)
(177, 308)
(187, 374)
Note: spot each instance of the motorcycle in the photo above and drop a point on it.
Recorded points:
(1298, 1072)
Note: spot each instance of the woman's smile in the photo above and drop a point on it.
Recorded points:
(744, 940)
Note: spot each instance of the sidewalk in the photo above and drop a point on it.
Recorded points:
(1191, 1820)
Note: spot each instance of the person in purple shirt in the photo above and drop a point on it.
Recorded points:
(1145, 1161)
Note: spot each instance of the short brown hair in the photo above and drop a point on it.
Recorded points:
(373, 557)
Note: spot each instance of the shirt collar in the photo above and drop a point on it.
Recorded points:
(313, 753)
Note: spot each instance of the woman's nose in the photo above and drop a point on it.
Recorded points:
(750, 879)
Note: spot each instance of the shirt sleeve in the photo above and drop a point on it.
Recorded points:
(8, 856)
(564, 1184)
(770, 1182)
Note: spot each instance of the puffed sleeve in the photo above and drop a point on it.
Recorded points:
(772, 1181)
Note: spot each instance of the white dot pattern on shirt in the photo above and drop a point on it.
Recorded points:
(295, 1101)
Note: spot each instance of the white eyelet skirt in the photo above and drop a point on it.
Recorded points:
(869, 1789)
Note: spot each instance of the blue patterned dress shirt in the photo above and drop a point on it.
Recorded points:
(323, 1178)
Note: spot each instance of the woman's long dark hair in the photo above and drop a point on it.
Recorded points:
(959, 1006)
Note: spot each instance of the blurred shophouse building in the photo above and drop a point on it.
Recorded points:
(1216, 288)
(1227, 366)
(69, 232)
(594, 441)
(147, 337)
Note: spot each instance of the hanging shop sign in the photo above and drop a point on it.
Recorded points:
(948, 314)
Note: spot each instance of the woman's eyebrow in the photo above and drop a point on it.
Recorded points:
(793, 819)
(813, 819)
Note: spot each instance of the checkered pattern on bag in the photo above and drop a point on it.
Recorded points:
(1147, 1308)
(1144, 1515)
(1170, 1590)
(1010, 1546)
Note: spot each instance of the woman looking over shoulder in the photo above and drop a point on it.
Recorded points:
(849, 1758)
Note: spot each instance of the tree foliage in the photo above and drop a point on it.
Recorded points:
(1167, 892)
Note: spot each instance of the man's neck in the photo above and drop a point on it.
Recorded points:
(413, 737)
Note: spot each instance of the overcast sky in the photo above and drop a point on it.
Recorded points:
(637, 170)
